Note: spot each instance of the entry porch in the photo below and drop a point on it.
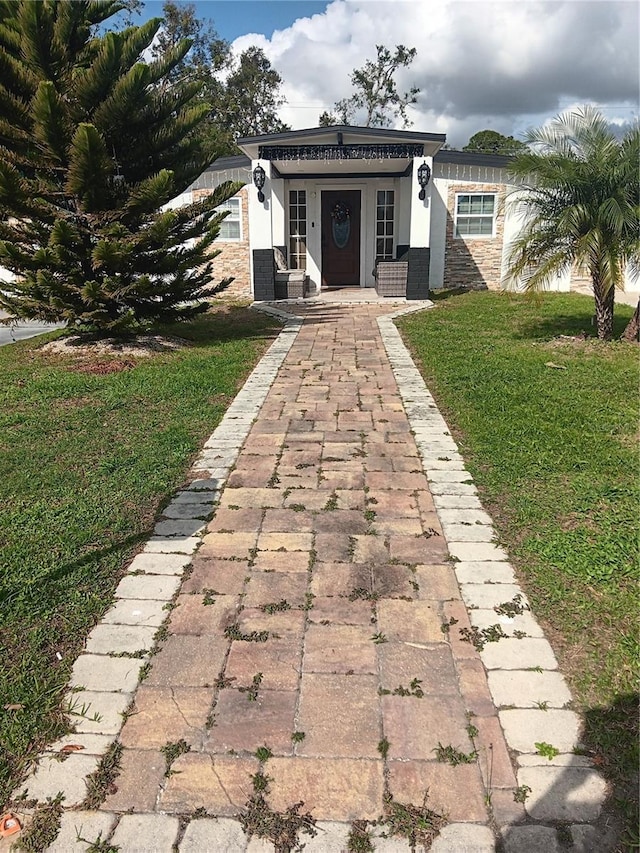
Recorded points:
(338, 203)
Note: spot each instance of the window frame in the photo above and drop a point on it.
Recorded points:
(385, 222)
(231, 218)
(297, 249)
(477, 216)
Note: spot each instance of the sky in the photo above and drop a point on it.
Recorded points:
(508, 65)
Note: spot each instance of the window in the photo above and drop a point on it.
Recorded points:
(475, 215)
(231, 227)
(385, 212)
(298, 229)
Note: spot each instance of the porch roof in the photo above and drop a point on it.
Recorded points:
(341, 150)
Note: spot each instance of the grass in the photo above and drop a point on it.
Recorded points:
(554, 455)
(86, 460)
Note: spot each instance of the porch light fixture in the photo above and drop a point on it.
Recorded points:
(259, 177)
(424, 173)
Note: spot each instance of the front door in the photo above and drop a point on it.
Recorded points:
(340, 237)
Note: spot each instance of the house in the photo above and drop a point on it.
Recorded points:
(340, 201)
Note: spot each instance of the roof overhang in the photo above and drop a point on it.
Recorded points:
(342, 150)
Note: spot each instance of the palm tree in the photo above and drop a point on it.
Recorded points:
(579, 196)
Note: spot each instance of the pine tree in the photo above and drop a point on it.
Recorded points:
(94, 141)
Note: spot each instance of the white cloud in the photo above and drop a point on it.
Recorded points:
(504, 65)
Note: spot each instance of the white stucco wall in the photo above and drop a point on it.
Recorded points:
(514, 221)
(260, 221)
(631, 281)
(403, 205)
(420, 225)
(439, 191)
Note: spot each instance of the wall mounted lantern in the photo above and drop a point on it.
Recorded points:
(424, 173)
(259, 177)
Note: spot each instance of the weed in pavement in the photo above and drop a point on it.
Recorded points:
(512, 608)
(43, 828)
(308, 601)
(479, 637)
(450, 755)
(100, 783)
(98, 845)
(275, 607)
(521, 793)
(332, 503)
(233, 632)
(414, 689)
(252, 690)
(172, 750)
(359, 840)
(383, 747)
(418, 824)
(208, 596)
(362, 594)
(547, 750)
(263, 753)
(281, 828)
(379, 638)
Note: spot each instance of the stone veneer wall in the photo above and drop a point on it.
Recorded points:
(473, 261)
(233, 260)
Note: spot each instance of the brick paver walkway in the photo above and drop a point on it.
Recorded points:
(316, 602)
(320, 639)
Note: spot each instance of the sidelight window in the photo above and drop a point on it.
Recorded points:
(385, 214)
(298, 229)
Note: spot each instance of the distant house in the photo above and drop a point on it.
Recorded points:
(337, 201)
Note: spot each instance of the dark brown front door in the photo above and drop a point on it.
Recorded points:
(340, 237)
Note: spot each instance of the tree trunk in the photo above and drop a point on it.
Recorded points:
(604, 311)
(632, 332)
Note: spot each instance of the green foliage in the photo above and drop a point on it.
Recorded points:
(492, 142)
(247, 102)
(580, 198)
(263, 753)
(418, 824)
(94, 142)
(521, 793)
(252, 97)
(547, 750)
(103, 777)
(449, 754)
(376, 93)
(172, 750)
(359, 840)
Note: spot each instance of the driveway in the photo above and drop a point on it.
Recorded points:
(24, 329)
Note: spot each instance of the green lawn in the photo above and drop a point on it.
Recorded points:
(85, 461)
(549, 428)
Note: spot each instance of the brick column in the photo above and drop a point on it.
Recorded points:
(418, 273)
(263, 275)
